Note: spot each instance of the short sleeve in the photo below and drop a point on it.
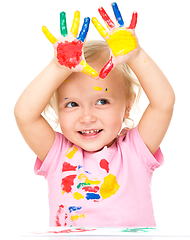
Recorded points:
(139, 148)
(49, 165)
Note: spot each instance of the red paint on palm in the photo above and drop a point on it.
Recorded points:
(69, 54)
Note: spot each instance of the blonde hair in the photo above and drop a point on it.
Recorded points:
(98, 51)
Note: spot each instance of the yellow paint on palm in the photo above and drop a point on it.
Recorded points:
(75, 25)
(88, 69)
(99, 27)
(109, 187)
(48, 35)
(121, 41)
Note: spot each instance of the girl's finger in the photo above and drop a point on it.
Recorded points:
(99, 27)
(84, 30)
(63, 24)
(75, 25)
(48, 35)
(106, 18)
(117, 14)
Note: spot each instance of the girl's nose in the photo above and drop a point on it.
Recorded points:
(87, 117)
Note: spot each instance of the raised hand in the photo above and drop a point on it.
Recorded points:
(69, 48)
(121, 39)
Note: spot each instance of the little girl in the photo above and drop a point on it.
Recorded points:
(97, 174)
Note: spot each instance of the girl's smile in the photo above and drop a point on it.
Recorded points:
(90, 115)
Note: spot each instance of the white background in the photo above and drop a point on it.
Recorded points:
(163, 31)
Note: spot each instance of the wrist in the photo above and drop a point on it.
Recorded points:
(134, 55)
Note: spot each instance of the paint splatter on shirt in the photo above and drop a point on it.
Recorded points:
(108, 188)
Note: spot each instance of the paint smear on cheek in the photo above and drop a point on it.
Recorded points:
(122, 41)
(69, 54)
(105, 165)
(109, 187)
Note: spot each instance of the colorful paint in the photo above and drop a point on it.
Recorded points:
(84, 30)
(68, 167)
(78, 196)
(71, 152)
(60, 210)
(93, 182)
(87, 69)
(105, 165)
(121, 41)
(106, 18)
(99, 27)
(107, 68)
(133, 21)
(136, 230)
(74, 208)
(63, 24)
(69, 54)
(75, 25)
(97, 88)
(77, 217)
(91, 189)
(109, 187)
(77, 230)
(117, 14)
(92, 196)
(48, 35)
(68, 182)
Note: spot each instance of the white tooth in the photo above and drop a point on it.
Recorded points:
(87, 131)
(91, 131)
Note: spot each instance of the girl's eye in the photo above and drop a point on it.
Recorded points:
(72, 104)
(102, 102)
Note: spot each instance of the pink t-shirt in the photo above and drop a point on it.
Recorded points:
(111, 187)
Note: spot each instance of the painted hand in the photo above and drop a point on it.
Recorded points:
(69, 48)
(120, 39)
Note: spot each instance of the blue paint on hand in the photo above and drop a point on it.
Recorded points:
(117, 14)
(84, 30)
(91, 196)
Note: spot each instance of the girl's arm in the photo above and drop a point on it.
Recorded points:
(124, 47)
(34, 128)
(36, 131)
(156, 118)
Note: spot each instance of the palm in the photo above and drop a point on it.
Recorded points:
(120, 39)
(69, 48)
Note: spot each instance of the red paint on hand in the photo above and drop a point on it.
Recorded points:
(107, 68)
(67, 182)
(69, 54)
(68, 167)
(105, 165)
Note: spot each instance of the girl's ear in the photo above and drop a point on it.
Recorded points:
(129, 106)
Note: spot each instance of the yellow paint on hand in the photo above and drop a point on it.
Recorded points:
(99, 27)
(63, 192)
(75, 25)
(71, 152)
(91, 182)
(109, 187)
(77, 217)
(97, 88)
(87, 69)
(48, 35)
(78, 196)
(121, 41)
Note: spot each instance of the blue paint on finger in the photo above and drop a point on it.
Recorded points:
(117, 14)
(84, 30)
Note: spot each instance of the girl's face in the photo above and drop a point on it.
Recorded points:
(91, 112)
